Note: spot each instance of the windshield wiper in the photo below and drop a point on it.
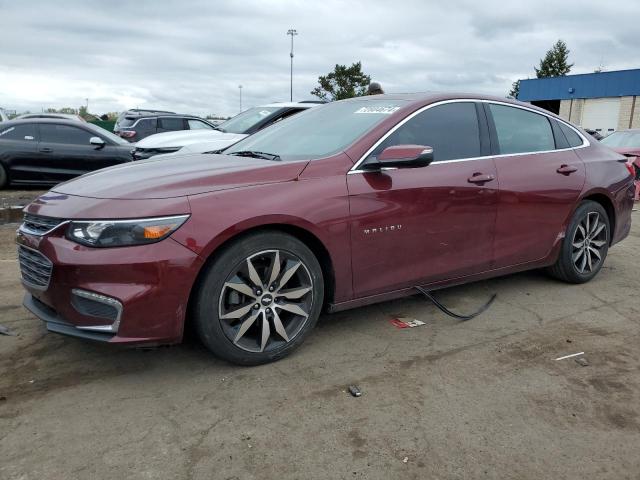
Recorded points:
(254, 154)
(220, 129)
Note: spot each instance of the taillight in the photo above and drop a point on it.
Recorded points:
(127, 133)
(629, 165)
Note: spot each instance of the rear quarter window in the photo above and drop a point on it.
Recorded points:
(572, 137)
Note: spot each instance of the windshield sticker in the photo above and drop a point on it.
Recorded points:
(7, 131)
(264, 113)
(379, 110)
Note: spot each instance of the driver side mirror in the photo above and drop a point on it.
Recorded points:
(404, 156)
(96, 141)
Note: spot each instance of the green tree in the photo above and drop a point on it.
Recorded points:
(555, 62)
(515, 89)
(343, 82)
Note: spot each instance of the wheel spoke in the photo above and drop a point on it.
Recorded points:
(279, 326)
(241, 287)
(587, 225)
(293, 308)
(595, 252)
(577, 255)
(598, 243)
(238, 313)
(588, 257)
(597, 231)
(582, 232)
(253, 274)
(578, 244)
(583, 264)
(266, 331)
(294, 293)
(593, 224)
(275, 268)
(245, 325)
(286, 276)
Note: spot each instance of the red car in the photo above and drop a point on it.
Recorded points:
(349, 203)
(627, 143)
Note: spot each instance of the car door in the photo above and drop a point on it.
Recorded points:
(19, 152)
(422, 225)
(65, 152)
(541, 178)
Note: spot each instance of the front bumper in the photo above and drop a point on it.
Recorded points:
(150, 286)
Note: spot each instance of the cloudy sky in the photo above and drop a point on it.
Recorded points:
(190, 56)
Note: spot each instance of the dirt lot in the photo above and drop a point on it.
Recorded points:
(478, 399)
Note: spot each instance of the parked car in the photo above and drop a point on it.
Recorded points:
(595, 134)
(225, 134)
(132, 112)
(627, 142)
(138, 125)
(46, 151)
(60, 116)
(354, 202)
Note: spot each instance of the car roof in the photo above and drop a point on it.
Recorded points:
(288, 105)
(55, 121)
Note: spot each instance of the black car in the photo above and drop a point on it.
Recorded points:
(138, 124)
(49, 151)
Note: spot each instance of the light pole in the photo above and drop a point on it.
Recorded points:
(291, 32)
(240, 88)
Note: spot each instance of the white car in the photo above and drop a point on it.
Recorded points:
(225, 134)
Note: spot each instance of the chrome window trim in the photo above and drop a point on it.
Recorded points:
(96, 297)
(585, 141)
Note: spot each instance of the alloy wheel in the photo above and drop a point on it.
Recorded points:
(588, 240)
(266, 301)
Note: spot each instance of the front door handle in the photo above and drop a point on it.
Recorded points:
(567, 169)
(481, 178)
(46, 150)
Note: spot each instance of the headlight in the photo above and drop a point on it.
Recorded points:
(118, 233)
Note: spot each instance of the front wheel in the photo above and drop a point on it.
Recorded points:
(259, 299)
(585, 245)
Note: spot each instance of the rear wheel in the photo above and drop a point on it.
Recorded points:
(585, 245)
(259, 299)
(4, 176)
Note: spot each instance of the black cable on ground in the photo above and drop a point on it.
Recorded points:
(449, 312)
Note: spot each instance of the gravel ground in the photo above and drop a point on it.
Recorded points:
(447, 400)
(9, 198)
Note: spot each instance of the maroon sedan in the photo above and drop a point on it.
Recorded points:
(347, 204)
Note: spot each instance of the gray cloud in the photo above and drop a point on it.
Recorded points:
(192, 55)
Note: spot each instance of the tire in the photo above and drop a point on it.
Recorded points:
(238, 318)
(581, 259)
(4, 177)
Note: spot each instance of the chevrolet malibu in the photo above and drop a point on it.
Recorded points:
(349, 203)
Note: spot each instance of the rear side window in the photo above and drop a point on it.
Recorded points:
(51, 133)
(572, 137)
(146, 125)
(171, 123)
(521, 131)
(126, 122)
(19, 132)
(451, 130)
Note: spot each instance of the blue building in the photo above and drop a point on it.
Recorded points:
(604, 102)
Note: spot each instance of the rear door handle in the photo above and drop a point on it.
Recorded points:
(46, 150)
(567, 169)
(481, 178)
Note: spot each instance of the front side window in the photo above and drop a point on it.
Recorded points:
(521, 131)
(198, 125)
(244, 121)
(19, 132)
(171, 123)
(51, 133)
(451, 130)
(320, 131)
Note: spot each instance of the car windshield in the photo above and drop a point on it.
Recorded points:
(622, 140)
(106, 133)
(247, 119)
(319, 132)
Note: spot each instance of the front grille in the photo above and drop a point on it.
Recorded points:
(35, 267)
(39, 225)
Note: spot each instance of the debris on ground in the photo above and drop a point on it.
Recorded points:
(354, 391)
(582, 361)
(405, 322)
(5, 331)
(405, 459)
(569, 356)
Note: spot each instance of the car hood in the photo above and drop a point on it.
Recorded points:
(179, 138)
(179, 175)
(627, 150)
(211, 145)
